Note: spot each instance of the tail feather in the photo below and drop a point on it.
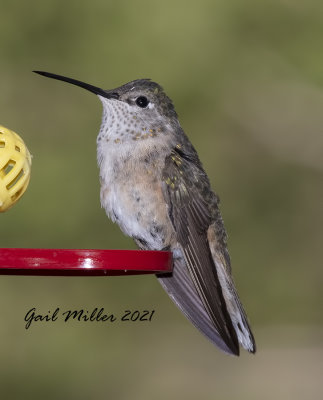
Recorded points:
(237, 313)
(235, 309)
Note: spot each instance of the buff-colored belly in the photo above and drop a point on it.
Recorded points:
(140, 210)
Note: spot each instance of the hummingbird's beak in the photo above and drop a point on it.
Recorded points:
(96, 90)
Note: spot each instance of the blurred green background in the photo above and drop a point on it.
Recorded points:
(246, 79)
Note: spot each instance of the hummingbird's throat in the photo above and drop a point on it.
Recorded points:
(114, 123)
(122, 125)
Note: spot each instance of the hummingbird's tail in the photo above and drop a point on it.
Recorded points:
(234, 306)
(236, 310)
(181, 289)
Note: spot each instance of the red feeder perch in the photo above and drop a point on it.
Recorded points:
(71, 262)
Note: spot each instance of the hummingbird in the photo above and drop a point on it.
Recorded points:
(153, 185)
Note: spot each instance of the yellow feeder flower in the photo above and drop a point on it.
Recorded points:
(15, 163)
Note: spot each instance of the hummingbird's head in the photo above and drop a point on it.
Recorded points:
(135, 111)
(146, 98)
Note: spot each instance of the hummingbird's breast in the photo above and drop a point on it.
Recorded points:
(131, 194)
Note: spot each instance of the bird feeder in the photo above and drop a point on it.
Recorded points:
(15, 163)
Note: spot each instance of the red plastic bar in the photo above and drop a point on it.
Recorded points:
(62, 262)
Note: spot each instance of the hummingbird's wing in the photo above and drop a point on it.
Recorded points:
(196, 219)
(181, 289)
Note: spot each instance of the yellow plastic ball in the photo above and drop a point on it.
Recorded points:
(15, 163)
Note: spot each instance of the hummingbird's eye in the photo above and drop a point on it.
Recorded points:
(142, 101)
